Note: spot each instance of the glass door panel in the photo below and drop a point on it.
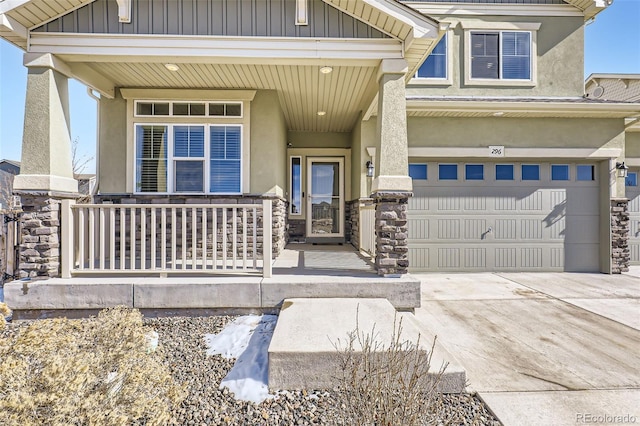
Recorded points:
(325, 198)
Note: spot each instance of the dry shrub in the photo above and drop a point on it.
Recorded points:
(85, 372)
(4, 312)
(387, 385)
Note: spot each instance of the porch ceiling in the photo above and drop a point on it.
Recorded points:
(302, 89)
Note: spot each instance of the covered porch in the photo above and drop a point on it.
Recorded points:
(300, 271)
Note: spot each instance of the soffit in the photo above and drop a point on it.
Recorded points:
(522, 108)
(590, 7)
(302, 89)
(20, 16)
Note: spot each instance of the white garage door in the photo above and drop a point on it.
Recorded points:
(633, 194)
(504, 217)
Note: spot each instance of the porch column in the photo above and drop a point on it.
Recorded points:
(391, 187)
(46, 174)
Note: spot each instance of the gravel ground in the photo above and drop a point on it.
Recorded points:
(183, 347)
(181, 344)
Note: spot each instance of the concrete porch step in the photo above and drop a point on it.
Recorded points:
(302, 353)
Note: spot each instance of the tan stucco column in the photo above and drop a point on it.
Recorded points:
(391, 188)
(392, 152)
(46, 142)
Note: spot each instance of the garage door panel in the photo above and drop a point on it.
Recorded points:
(633, 193)
(505, 229)
(496, 225)
(474, 229)
(578, 228)
(448, 229)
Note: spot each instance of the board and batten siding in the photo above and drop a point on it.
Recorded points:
(258, 18)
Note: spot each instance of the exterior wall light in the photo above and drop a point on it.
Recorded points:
(623, 169)
(369, 168)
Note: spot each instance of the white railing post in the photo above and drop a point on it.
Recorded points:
(67, 242)
(267, 249)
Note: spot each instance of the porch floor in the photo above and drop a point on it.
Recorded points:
(301, 271)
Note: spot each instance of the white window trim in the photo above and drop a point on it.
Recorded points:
(171, 159)
(500, 27)
(432, 81)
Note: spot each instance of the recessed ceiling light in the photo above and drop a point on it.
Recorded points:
(326, 70)
(321, 113)
(498, 114)
(172, 67)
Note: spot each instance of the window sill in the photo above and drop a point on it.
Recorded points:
(498, 82)
(417, 81)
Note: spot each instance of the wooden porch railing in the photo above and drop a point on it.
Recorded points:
(368, 227)
(166, 238)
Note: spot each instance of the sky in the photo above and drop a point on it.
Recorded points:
(612, 45)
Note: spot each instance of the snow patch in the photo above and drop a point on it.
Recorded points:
(247, 339)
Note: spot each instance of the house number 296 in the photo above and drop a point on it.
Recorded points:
(496, 151)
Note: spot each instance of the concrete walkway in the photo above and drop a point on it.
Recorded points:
(544, 348)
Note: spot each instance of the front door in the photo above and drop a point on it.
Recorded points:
(325, 201)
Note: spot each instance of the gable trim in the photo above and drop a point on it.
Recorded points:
(134, 47)
(484, 9)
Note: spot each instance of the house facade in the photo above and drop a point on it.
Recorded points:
(624, 88)
(443, 136)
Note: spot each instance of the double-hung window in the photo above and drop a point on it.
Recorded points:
(186, 158)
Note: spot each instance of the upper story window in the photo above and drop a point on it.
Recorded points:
(500, 53)
(435, 66)
(504, 55)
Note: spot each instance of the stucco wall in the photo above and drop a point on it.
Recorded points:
(319, 139)
(268, 144)
(560, 64)
(363, 136)
(632, 148)
(112, 149)
(516, 132)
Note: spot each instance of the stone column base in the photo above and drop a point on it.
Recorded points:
(40, 234)
(620, 255)
(392, 251)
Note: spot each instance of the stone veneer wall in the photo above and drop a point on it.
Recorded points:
(620, 254)
(296, 230)
(39, 237)
(279, 211)
(392, 251)
(352, 223)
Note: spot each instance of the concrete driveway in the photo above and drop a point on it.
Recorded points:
(543, 348)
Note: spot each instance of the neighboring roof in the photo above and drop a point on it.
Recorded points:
(615, 87)
(13, 162)
(577, 107)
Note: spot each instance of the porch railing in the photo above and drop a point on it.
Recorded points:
(368, 227)
(166, 238)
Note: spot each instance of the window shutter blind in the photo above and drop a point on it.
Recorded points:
(225, 162)
(151, 161)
